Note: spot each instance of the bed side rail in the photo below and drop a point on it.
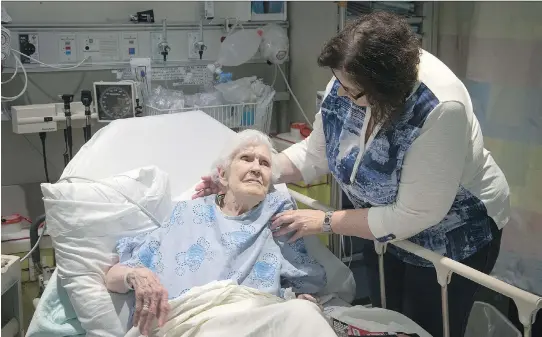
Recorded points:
(527, 303)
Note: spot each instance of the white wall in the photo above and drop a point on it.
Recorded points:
(312, 23)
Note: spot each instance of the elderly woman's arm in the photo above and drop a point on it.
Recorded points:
(299, 270)
(151, 296)
(117, 280)
(133, 273)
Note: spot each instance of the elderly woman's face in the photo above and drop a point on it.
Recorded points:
(250, 172)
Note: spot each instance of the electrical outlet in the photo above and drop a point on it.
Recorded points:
(156, 38)
(193, 37)
(28, 45)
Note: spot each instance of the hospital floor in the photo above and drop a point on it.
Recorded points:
(30, 291)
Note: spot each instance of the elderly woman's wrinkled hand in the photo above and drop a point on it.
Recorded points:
(206, 187)
(303, 222)
(151, 299)
(310, 298)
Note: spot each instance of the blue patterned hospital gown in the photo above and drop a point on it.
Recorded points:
(467, 226)
(200, 244)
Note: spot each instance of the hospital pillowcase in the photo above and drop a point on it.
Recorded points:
(85, 220)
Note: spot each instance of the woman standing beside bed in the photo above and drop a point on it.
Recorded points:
(397, 131)
(221, 237)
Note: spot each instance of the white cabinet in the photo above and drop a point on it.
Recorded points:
(12, 308)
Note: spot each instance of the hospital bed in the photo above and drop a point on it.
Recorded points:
(184, 145)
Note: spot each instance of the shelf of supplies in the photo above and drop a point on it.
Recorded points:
(410, 9)
(413, 20)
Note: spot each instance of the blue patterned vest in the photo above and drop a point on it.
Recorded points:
(466, 227)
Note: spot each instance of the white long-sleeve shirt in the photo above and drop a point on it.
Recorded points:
(449, 152)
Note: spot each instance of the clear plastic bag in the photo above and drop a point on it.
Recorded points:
(486, 321)
(275, 44)
(204, 99)
(239, 48)
(166, 99)
(243, 90)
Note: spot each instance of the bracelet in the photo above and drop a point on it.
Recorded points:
(126, 283)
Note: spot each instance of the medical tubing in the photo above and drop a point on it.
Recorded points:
(18, 63)
(35, 239)
(143, 209)
(65, 154)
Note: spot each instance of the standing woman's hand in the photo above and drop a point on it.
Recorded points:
(151, 299)
(205, 188)
(302, 222)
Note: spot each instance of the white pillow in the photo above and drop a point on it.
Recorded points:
(340, 279)
(85, 220)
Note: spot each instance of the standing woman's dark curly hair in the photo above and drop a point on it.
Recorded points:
(379, 53)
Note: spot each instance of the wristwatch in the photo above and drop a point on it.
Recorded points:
(326, 226)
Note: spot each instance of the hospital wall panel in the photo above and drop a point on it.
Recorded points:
(21, 154)
(110, 11)
(22, 162)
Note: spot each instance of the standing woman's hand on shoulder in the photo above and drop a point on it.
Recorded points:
(151, 299)
(206, 187)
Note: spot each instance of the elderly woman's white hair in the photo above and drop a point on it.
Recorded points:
(239, 142)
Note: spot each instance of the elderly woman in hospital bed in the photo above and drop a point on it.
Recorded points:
(219, 237)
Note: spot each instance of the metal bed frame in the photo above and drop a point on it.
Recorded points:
(528, 304)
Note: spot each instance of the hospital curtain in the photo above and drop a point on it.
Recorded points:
(496, 49)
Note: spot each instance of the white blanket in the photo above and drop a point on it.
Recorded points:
(223, 308)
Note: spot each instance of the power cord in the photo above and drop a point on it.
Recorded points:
(43, 135)
(18, 64)
(36, 245)
(65, 154)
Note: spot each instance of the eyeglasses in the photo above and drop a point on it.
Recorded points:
(354, 97)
